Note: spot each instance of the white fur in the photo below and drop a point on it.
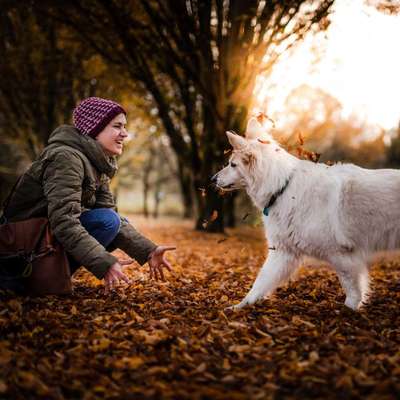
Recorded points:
(339, 214)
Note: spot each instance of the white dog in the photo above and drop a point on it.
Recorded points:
(339, 214)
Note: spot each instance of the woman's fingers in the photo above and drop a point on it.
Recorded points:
(112, 279)
(166, 248)
(157, 272)
(125, 262)
(109, 285)
(122, 277)
(160, 271)
(151, 272)
(167, 265)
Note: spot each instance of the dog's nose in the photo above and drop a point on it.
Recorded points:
(214, 178)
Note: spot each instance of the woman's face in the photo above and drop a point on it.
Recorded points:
(113, 135)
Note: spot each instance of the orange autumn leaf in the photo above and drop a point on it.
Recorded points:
(301, 139)
(263, 141)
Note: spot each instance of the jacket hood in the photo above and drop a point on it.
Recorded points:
(67, 135)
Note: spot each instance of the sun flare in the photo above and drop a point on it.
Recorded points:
(359, 64)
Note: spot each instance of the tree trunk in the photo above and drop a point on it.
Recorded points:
(145, 199)
(185, 183)
(157, 197)
(156, 203)
(230, 220)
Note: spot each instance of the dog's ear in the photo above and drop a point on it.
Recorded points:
(254, 129)
(236, 141)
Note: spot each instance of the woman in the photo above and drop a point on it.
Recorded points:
(69, 184)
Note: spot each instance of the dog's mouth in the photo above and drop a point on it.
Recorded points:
(229, 187)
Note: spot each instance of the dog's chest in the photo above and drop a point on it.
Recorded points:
(299, 237)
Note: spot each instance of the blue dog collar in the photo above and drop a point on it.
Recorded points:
(274, 197)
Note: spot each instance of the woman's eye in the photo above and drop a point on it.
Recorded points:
(233, 165)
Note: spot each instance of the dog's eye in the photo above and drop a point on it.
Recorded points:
(233, 165)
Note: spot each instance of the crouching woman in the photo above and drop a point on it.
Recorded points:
(69, 185)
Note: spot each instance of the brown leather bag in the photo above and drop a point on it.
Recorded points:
(30, 254)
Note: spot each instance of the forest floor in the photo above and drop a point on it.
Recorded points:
(173, 339)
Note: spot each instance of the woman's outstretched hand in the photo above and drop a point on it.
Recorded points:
(114, 275)
(157, 262)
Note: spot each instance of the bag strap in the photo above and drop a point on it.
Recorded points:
(42, 232)
(8, 198)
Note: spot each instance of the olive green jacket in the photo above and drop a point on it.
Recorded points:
(70, 176)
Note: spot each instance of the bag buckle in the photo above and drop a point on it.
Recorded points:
(28, 269)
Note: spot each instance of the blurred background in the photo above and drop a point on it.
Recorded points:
(324, 72)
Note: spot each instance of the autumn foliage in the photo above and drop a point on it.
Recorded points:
(173, 339)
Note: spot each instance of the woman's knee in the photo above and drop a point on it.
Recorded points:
(111, 220)
(102, 218)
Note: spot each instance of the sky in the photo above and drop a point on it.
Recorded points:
(359, 65)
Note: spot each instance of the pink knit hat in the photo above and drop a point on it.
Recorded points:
(93, 114)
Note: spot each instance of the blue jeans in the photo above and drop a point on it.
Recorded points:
(101, 223)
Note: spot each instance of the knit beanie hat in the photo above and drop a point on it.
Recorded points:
(93, 114)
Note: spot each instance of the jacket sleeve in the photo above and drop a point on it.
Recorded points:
(128, 238)
(62, 185)
(133, 243)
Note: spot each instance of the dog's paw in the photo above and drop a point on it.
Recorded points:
(231, 308)
(353, 304)
(236, 307)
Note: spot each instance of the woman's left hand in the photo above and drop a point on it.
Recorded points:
(157, 262)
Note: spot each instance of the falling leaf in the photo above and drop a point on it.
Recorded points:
(214, 216)
(245, 216)
(260, 117)
(301, 139)
(263, 141)
(316, 157)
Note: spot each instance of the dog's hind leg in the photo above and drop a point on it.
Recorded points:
(276, 270)
(354, 279)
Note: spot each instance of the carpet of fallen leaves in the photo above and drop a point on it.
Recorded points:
(173, 340)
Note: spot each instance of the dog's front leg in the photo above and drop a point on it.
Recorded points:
(276, 270)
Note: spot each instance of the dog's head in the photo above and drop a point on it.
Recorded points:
(245, 158)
